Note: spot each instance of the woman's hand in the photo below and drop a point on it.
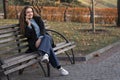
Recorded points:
(28, 21)
(37, 44)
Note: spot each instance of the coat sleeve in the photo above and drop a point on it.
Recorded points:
(31, 38)
(29, 33)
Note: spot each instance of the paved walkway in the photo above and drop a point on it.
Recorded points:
(104, 67)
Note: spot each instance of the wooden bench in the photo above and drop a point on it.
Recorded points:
(13, 46)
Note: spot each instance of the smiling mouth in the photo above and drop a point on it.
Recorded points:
(30, 16)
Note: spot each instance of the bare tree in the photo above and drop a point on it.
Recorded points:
(38, 4)
(5, 9)
(35, 4)
(93, 18)
(92, 13)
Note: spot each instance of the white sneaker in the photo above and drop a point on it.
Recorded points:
(63, 71)
(45, 58)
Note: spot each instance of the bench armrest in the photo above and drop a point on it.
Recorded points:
(61, 35)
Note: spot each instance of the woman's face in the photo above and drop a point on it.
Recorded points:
(29, 13)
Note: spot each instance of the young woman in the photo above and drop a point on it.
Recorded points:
(32, 26)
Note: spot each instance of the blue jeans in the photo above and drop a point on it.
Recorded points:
(46, 47)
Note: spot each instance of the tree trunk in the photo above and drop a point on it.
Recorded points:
(118, 9)
(93, 14)
(5, 9)
(65, 14)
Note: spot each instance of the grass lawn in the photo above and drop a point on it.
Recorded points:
(81, 33)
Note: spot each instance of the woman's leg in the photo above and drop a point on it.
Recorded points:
(45, 44)
(47, 50)
(46, 47)
(54, 60)
(55, 63)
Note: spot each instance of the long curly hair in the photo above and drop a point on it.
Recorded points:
(22, 18)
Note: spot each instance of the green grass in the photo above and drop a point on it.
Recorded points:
(86, 40)
(8, 21)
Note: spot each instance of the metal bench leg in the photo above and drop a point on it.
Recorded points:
(21, 70)
(42, 69)
(73, 56)
(5, 78)
(48, 70)
(72, 60)
(8, 78)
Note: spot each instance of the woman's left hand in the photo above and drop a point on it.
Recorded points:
(37, 43)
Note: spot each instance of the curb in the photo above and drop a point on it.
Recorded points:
(93, 54)
(100, 51)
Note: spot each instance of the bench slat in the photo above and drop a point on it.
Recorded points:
(9, 26)
(19, 61)
(21, 67)
(16, 57)
(12, 43)
(8, 35)
(67, 44)
(9, 39)
(13, 49)
(8, 31)
(8, 44)
(62, 43)
(6, 40)
(65, 49)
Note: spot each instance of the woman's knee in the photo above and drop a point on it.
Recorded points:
(48, 37)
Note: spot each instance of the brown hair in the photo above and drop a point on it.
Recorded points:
(22, 22)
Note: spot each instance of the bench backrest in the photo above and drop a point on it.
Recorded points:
(10, 40)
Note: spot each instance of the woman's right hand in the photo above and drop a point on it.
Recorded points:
(37, 44)
(28, 21)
